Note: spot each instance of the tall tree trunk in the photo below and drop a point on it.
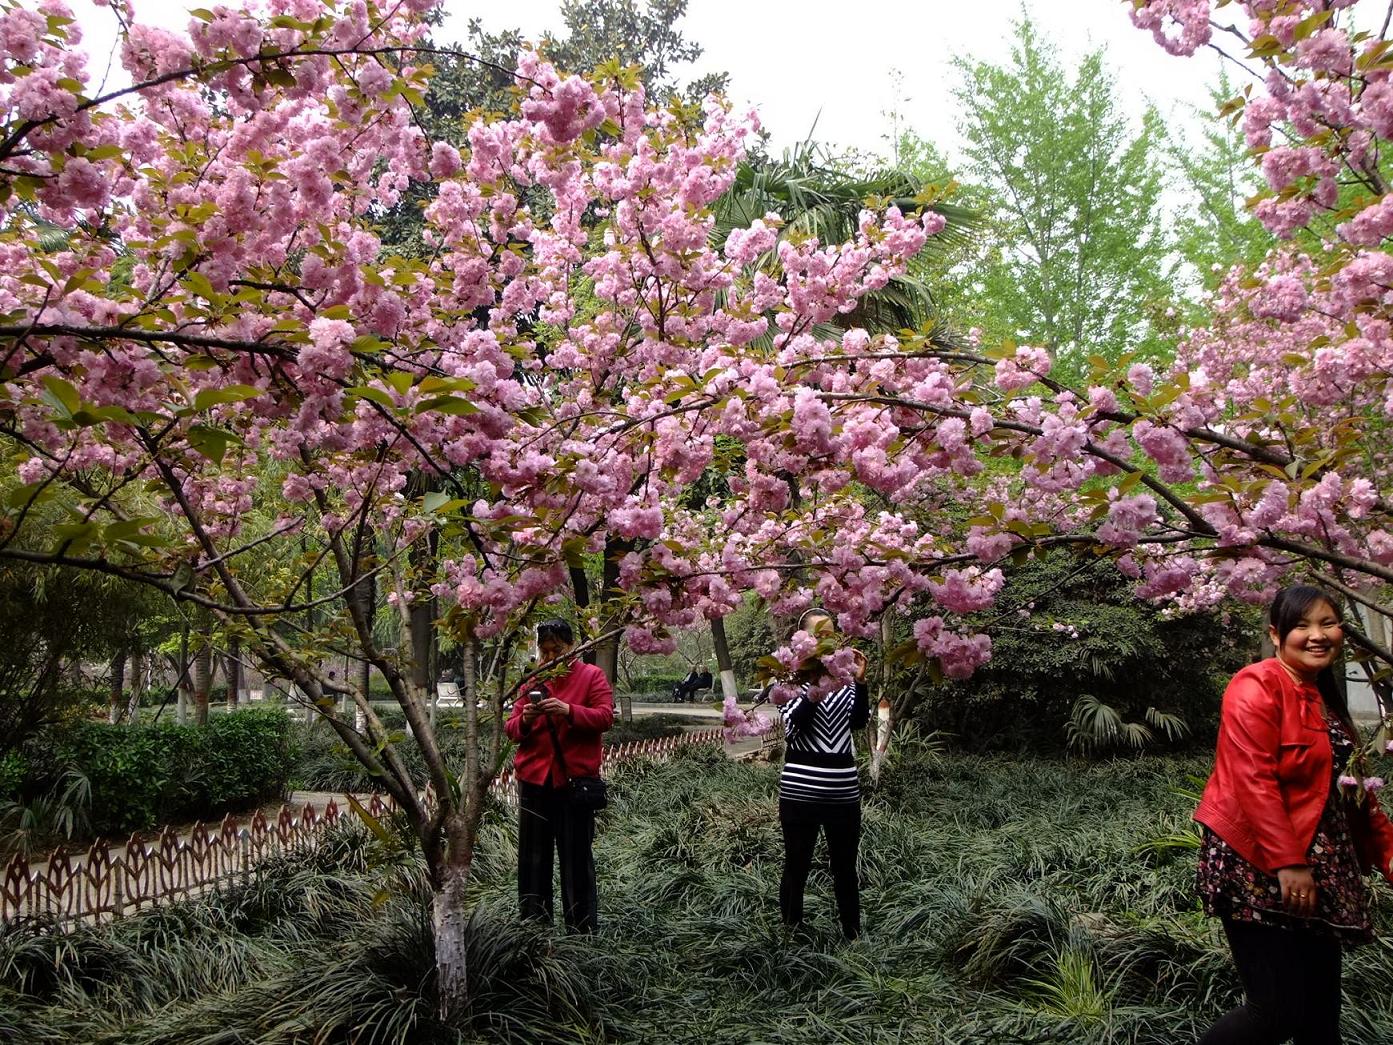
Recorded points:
(882, 723)
(203, 671)
(449, 906)
(366, 594)
(450, 920)
(421, 614)
(729, 690)
(607, 654)
(422, 636)
(232, 669)
(118, 686)
(139, 684)
(182, 687)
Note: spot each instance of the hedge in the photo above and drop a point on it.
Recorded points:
(143, 776)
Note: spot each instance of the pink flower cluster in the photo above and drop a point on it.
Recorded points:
(1180, 26)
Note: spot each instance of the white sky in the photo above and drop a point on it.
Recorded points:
(831, 63)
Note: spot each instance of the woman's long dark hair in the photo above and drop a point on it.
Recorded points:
(1290, 605)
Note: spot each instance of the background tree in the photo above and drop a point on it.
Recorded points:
(1075, 253)
(53, 619)
(1214, 230)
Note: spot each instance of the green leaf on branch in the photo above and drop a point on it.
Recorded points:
(437, 503)
(211, 442)
(105, 414)
(452, 405)
(200, 285)
(76, 535)
(33, 492)
(367, 344)
(373, 824)
(375, 395)
(61, 394)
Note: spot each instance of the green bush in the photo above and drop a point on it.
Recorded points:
(146, 775)
(13, 769)
(1085, 634)
(324, 762)
(658, 683)
(647, 727)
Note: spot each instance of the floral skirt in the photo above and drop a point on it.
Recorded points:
(1231, 887)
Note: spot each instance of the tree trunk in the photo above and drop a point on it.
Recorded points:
(203, 675)
(883, 722)
(880, 728)
(118, 686)
(232, 669)
(360, 720)
(729, 690)
(139, 684)
(607, 654)
(182, 686)
(450, 920)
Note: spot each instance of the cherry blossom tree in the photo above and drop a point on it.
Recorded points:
(1293, 368)
(221, 383)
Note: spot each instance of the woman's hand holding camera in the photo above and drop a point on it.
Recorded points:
(555, 706)
(860, 665)
(859, 676)
(546, 706)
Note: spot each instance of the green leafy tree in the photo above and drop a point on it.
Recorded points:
(52, 619)
(1075, 255)
(1214, 230)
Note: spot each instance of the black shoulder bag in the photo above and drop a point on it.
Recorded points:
(582, 792)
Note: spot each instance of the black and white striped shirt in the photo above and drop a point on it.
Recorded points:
(819, 760)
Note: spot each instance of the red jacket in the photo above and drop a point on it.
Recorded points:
(587, 690)
(1271, 776)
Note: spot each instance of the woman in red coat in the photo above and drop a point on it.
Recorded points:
(557, 723)
(1288, 835)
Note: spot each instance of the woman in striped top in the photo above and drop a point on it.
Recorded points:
(819, 789)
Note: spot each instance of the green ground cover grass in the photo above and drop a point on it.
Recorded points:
(1006, 900)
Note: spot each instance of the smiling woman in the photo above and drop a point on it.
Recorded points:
(1287, 839)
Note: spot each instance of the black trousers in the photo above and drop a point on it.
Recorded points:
(841, 822)
(547, 823)
(1292, 979)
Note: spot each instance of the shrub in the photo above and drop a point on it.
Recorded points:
(1152, 678)
(648, 727)
(324, 762)
(145, 775)
(13, 769)
(659, 683)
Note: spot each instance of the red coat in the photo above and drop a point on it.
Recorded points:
(587, 690)
(1271, 776)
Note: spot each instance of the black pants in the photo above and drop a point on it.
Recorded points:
(841, 822)
(1292, 979)
(546, 822)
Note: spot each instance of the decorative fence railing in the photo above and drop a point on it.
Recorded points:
(111, 880)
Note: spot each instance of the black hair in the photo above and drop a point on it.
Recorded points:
(1291, 604)
(556, 628)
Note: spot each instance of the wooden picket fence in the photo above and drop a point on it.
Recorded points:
(111, 880)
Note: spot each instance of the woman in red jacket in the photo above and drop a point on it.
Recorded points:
(557, 723)
(1288, 834)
